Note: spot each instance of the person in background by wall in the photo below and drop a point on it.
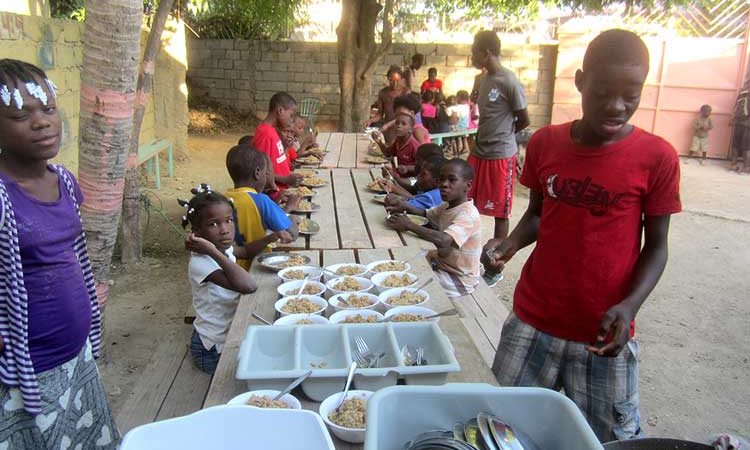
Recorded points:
(741, 133)
(502, 113)
(429, 110)
(701, 125)
(432, 83)
(386, 97)
(410, 71)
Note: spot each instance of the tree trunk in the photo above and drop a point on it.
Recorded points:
(111, 48)
(132, 239)
(358, 55)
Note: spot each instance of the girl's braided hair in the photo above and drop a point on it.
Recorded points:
(203, 196)
(13, 70)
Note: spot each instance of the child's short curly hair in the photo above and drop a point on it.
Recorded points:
(203, 196)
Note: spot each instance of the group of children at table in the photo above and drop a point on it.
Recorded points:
(574, 305)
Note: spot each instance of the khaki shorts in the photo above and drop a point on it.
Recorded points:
(700, 144)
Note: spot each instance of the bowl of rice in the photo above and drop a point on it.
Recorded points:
(389, 280)
(265, 399)
(345, 269)
(292, 288)
(346, 285)
(302, 304)
(349, 422)
(356, 316)
(392, 298)
(354, 301)
(302, 319)
(388, 265)
(300, 272)
(410, 314)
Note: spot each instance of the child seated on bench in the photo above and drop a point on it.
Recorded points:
(427, 186)
(405, 186)
(256, 214)
(458, 230)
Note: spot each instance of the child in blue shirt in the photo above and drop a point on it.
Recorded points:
(427, 184)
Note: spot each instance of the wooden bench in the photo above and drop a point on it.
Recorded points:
(149, 153)
(437, 138)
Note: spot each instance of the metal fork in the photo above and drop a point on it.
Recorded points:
(420, 356)
(364, 355)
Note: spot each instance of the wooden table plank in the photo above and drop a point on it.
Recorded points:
(366, 256)
(363, 143)
(224, 386)
(326, 217)
(331, 159)
(187, 392)
(348, 158)
(374, 213)
(322, 139)
(492, 306)
(351, 225)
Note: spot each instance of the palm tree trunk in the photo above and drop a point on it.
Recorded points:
(111, 49)
(132, 239)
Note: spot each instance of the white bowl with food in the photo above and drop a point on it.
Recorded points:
(345, 285)
(302, 319)
(300, 272)
(388, 265)
(312, 287)
(356, 316)
(347, 424)
(403, 297)
(302, 304)
(410, 314)
(264, 399)
(354, 301)
(389, 280)
(345, 269)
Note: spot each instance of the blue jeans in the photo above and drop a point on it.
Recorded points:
(204, 360)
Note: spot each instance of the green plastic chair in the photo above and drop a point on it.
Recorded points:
(309, 108)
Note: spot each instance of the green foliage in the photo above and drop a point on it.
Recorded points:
(68, 9)
(244, 19)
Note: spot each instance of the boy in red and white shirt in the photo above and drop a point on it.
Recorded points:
(597, 184)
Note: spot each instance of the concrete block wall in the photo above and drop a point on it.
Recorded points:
(56, 46)
(245, 74)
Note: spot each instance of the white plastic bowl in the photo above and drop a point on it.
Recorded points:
(339, 317)
(353, 435)
(338, 306)
(292, 319)
(378, 279)
(289, 399)
(320, 301)
(419, 310)
(385, 295)
(295, 285)
(371, 266)
(364, 282)
(334, 267)
(314, 273)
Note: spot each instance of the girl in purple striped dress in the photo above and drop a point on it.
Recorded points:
(50, 392)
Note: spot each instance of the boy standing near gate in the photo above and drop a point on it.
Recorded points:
(701, 125)
(597, 185)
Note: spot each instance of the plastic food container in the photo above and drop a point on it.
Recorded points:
(379, 278)
(331, 284)
(289, 399)
(284, 289)
(338, 306)
(340, 316)
(335, 267)
(314, 273)
(241, 427)
(543, 419)
(386, 295)
(272, 357)
(294, 319)
(320, 301)
(353, 435)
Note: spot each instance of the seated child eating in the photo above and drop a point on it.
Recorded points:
(215, 278)
(427, 184)
(404, 147)
(406, 186)
(256, 214)
(458, 230)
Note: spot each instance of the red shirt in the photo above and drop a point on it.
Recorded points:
(406, 152)
(267, 140)
(590, 231)
(435, 86)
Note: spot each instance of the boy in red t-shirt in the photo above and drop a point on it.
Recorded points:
(596, 184)
(281, 111)
(404, 147)
(432, 83)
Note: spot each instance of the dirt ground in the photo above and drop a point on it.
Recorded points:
(694, 329)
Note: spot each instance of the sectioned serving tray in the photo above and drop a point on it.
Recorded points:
(271, 357)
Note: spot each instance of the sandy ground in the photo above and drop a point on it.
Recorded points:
(694, 329)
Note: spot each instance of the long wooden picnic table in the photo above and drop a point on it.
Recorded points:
(224, 386)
